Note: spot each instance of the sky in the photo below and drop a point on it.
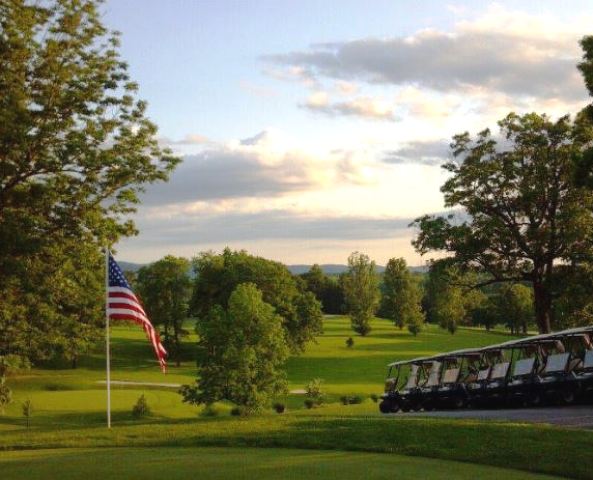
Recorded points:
(312, 129)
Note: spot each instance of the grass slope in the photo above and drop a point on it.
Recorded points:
(219, 464)
(60, 394)
(69, 407)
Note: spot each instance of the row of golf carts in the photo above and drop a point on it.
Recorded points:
(549, 368)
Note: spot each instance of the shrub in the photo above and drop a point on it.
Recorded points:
(5, 394)
(351, 400)
(141, 409)
(309, 403)
(279, 407)
(239, 412)
(314, 392)
(350, 342)
(210, 410)
(27, 411)
(374, 397)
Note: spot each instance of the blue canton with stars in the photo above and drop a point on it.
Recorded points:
(116, 276)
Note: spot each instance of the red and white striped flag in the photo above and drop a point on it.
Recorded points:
(124, 305)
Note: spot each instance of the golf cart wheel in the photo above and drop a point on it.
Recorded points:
(405, 407)
(568, 396)
(535, 400)
(387, 406)
(458, 402)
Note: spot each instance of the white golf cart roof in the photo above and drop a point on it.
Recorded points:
(500, 346)
(414, 360)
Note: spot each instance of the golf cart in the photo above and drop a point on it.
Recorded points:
(564, 353)
(488, 387)
(528, 360)
(460, 368)
(401, 386)
(579, 343)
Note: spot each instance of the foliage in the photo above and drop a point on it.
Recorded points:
(279, 407)
(361, 292)
(217, 276)
(350, 342)
(27, 409)
(141, 408)
(351, 399)
(75, 150)
(53, 306)
(314, 391)
(242, 352)
(210, 410)
(374, 397)
(325, 288)
(238, 412)
(514, 307)
(5, 394)
(165, 289)
(309, 403)
(525, 212)
(446, 303)
(401, 296)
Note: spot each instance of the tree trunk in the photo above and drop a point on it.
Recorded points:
(542, 301)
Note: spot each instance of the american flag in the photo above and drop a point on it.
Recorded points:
(124, 305)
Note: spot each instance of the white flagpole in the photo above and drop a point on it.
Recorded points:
(108, 365)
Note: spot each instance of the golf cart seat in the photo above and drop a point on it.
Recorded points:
(500, 370)
(556, 363)
(413, 378)
(588, 361)
(483, 374)
(433, 376)
(523, 367)
(451, 375)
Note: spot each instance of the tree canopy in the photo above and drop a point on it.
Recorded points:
(75, 150)
(401, 296)
(523, 209)
(165, 289)
(361, 292)
(217, 276)
(242, 351)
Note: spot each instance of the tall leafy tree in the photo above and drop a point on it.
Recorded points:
(242, 351)
(445, 302)
(361, 292)
(514, 307)
(401, 296)
(525, 211)
(217, 276)
(325, 288)
(165, 289)
(75, 150)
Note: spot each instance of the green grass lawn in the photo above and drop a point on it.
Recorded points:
(74, 395)
(222, 464)
(69, 411)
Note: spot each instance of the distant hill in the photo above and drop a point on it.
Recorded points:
(336, 269)
(328, 268)
(131, 267)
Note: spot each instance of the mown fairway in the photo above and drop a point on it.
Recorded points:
(63, 395)
(69, 414)
(221, 464)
